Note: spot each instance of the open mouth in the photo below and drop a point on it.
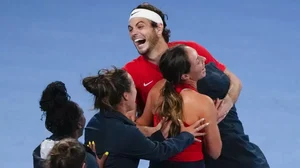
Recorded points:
(139, 42)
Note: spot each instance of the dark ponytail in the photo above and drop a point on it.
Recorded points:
(173, 64)
(171, 107)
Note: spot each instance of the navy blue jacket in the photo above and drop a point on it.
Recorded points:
(237, 150)
(115, 133)
(39, 162)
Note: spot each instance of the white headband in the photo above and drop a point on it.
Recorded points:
(145, 13)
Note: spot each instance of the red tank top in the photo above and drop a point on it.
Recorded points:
(194, 151)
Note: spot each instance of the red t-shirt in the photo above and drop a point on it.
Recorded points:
(145, 74)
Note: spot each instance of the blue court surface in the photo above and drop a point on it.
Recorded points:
(43, 41)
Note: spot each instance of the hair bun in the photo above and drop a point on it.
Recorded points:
(54, 96)
(91, 84)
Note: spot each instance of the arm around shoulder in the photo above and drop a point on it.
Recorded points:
(143, 148)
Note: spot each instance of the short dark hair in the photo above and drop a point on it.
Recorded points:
(62, 114)
(108, 87)
(166, 32)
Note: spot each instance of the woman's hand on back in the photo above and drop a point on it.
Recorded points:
(194, 128)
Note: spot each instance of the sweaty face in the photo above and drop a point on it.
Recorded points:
(142, 34)
(197, 70)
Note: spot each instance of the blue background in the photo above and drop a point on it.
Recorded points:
(43, 41)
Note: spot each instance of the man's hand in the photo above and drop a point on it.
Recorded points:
(223, 106)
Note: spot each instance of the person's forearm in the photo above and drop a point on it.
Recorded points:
(234, 91)
(147, 131)
(235, 86)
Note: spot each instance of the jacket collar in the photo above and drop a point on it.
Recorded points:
(116, 115)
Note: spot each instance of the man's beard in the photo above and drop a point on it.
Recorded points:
(152, 41)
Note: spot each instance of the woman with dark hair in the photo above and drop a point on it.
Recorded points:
(176, 98)
(64, 119)
(115, 94)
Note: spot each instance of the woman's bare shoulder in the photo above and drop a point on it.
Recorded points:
(195, 98)
(155, 90)
(159, 84)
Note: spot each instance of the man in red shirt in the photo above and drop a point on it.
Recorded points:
(147, 28)
(151, 40)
